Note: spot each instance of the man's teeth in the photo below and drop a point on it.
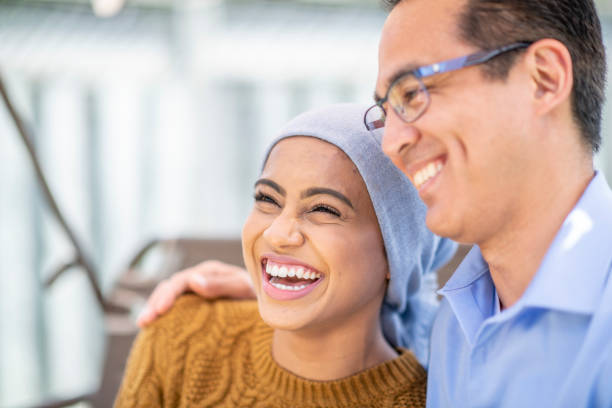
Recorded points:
(284, 271)
(426, 173)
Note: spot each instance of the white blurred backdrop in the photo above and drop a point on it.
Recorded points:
(149, 124)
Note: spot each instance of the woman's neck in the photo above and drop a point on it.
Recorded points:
(326, 354)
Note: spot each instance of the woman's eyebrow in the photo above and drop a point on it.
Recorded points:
(271, 184)
(322, 190)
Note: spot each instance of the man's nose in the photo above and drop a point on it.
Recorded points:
(398, 138)
(284, 232)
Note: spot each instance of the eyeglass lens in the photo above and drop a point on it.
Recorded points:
(374, 118)
(408, 97)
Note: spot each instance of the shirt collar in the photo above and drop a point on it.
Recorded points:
(471, 294)
(571, 277)
(575, 268)
(469, 270)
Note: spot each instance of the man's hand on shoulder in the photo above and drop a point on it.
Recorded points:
(209, 279)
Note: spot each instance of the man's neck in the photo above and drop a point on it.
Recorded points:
(515, 253)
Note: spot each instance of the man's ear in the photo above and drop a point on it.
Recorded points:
(550, 68)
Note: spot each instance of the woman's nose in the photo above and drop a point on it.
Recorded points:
(283, 232)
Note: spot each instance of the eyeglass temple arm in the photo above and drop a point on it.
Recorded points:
(468, 60)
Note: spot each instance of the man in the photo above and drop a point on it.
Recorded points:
(500, 147)
(502, 155)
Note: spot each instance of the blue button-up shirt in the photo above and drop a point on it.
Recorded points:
(553, 347)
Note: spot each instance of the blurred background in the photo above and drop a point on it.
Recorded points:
(149, 118)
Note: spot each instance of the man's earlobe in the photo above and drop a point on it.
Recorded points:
(550, 66)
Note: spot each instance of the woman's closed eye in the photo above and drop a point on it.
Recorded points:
(261, 197)
(267, 203)
(324, 208)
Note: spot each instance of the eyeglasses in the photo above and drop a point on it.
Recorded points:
(408, 95)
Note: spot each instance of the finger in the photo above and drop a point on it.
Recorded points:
(149, 313)
(169, 291)
(236, 285)
(162, 299)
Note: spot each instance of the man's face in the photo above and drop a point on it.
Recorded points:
(464, 153)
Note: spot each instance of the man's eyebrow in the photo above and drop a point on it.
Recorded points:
(322, 190)
(271, 184)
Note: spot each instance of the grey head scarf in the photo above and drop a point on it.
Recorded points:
(413, 252)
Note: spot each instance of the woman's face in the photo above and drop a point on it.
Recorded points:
(312, 243)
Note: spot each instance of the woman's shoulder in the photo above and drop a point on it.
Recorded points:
(190, 306)
(188, 345)
(194, 317)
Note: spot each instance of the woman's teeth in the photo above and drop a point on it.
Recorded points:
(279, 271)
(287, 287)
(283, 271)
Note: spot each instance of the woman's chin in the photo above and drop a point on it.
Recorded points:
(284, 317)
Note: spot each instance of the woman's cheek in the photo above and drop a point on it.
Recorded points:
(252, 228)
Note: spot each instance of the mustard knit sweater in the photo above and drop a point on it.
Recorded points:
(218, 354)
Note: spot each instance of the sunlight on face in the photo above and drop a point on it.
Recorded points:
(312, 243)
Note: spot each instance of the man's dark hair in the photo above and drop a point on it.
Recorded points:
(489, 24)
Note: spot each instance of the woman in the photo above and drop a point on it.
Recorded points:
(339, 255)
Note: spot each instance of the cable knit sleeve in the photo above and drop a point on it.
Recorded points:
(142, 385)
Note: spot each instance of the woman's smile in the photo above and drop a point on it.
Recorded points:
(284, 278)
